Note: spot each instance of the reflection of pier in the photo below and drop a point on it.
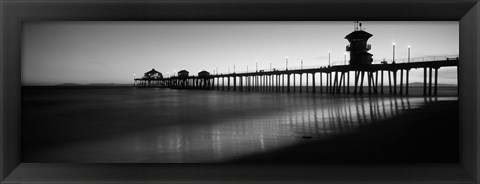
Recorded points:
(334, 79)
(237, 137)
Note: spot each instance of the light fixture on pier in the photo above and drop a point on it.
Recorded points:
(301, 63)
(345, 58)
(409, 53)
(329, 53)
(256, 65)
(393, 59)
(286, 62)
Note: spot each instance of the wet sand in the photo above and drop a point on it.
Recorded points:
(423, 135)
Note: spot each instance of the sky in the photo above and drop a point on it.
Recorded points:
(115, 52)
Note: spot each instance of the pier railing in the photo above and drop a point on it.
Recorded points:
(343, 62)
(418, 59)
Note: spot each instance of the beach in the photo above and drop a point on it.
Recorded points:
(424, 135)
(131, 125)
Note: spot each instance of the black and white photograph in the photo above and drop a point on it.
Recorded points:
(234, 92)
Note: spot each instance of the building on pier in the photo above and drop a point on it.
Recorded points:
(358, 47)
(153, 74)
(203, 74)
(152, 78)
(182, 73)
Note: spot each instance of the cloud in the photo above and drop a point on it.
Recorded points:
(100, 63)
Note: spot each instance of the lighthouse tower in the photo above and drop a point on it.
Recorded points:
(358, 47)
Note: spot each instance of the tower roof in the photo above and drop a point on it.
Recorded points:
(360, 34)
(153, 71)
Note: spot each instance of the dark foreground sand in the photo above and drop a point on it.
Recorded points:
(424, 135)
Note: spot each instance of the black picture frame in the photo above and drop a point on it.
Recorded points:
(15, 12)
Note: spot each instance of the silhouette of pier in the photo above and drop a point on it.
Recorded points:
(335, 79)
(365, 76)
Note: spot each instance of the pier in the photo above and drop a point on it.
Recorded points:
(359, 76)
(370, 79)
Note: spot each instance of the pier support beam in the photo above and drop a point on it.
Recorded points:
(370, 82)
(361, 82)
(313, 82)
(335, 83)
(401, 82)
(381, 82)
(406, 81)
(425, 81)
(306, 82)
(294, 86)
(430, 82)
(376, 82)
(390, 81)
(395, 82)
(356, 76)
(330, 88)
(341, 83)
(436, 82)
(270, 88)
(288, 83)
(228, 87)
(321, 81)
(348, 81)
(300, 83)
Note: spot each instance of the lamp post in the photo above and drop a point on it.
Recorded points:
(328, 58)
(270, 66)
(409, 53)
(286, 63)
(256, 65)
(393, 60)
(301, 63)
(345, 58)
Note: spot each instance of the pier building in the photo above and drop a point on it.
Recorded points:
(358, 47)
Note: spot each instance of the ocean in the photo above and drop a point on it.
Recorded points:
(135, 125)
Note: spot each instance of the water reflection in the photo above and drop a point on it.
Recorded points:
(171, 126)
(316, 117)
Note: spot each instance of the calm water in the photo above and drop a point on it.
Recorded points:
(105, 125)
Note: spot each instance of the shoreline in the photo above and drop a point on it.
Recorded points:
(425, 135)
(415, 91)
